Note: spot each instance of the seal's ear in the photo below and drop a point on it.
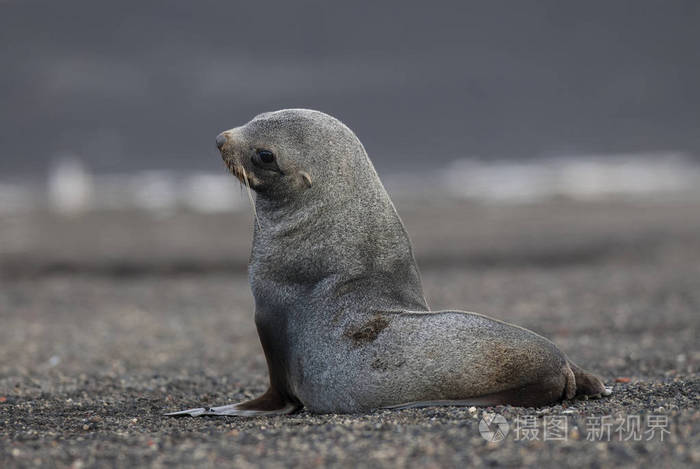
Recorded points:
(305, 176)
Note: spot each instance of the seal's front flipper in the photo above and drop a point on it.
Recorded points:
(190, 412)
(270, 403)
(233, 409)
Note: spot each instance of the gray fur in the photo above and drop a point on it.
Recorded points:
(339, 303)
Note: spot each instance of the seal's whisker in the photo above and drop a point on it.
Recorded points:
(250, 196)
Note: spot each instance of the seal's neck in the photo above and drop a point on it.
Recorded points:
(339, 246)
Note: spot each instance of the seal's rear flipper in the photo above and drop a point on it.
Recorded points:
(587, 384)
(572, 382)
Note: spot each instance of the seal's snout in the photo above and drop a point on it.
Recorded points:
(221, 140)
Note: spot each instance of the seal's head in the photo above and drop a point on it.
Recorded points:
(284, 153)
(326, 227)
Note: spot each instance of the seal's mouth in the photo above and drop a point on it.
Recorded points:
(235, 169)
(244, 176)
(240, 173)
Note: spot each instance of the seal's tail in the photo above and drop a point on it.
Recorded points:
(583, 383)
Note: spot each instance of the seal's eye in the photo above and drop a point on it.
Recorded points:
(265, 159)
(266, 156)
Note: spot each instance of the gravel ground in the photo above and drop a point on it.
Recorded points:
(110, 319)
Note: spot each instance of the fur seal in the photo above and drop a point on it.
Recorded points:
(339, 304)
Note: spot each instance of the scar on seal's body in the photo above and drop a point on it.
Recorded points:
(367, 332)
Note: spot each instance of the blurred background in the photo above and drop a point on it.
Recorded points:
(112, 105)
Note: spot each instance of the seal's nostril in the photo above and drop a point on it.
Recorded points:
(220, 141)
